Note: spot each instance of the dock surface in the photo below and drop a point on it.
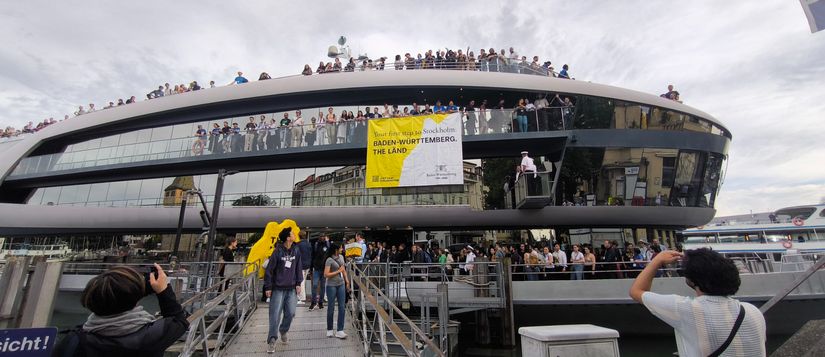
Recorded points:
(307, 336)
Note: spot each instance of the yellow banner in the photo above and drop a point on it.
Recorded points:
(420, 150)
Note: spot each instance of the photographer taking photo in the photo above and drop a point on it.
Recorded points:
(118, 326)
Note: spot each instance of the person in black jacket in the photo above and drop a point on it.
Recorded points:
(319, 251)
(118, 326)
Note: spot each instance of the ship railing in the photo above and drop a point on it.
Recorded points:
(113, 150)
(798, 262)
(381, 323)
(499, 65)
(218, 314)
(331, 197)
(187, 278)
(598, 270)
(410, 283)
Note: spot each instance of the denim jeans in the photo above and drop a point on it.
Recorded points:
(522, 123)
(319, 283)
(336, 294)
(281, 299)
(577, 272)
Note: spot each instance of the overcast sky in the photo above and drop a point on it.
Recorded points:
(753, 65)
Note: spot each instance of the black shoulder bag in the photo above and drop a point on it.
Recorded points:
(733, 332)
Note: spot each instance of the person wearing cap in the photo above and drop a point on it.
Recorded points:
(471, 257)
(527, 167)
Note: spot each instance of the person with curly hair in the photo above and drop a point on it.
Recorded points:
(713, 323)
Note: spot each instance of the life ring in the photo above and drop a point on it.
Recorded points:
(787, 244)
(798, 221)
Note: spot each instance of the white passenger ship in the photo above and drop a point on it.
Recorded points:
(798, 229)
(57, 250)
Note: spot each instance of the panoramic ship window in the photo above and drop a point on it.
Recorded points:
(668, 171)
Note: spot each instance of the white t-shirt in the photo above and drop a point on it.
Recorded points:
(702, 324)
(527, 164)
(576, 256)
(471, 257)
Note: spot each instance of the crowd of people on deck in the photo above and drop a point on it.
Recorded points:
(487, 60)
(262, 132)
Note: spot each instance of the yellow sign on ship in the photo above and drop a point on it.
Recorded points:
(420, 150)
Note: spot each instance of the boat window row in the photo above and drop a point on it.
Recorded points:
(486, 114)
(314, 187)
(794, 236)
(639, 177)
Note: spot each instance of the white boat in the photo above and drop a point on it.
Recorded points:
(791, 229)
(57, 250)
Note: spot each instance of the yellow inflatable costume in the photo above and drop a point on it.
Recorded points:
(263, 248)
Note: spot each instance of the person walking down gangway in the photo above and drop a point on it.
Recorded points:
(282, 284)
(337, 287)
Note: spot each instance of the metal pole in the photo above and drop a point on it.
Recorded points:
(180, 224)
(216, 206)
(203, 203)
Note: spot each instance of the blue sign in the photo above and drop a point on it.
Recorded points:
(30, 342)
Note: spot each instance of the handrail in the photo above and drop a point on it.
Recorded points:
(236, 301)
(820, 264)
(193, 146)
(387, 319)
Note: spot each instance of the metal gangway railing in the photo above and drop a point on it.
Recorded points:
(382, 324)
(482, 285)
(219, 313)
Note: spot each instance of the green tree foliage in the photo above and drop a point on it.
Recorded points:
(593, 113)
(254, 200)
(495, 171)
(580, 165)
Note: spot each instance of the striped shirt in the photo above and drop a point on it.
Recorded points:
(702, 324)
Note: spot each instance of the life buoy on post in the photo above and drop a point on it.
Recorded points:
(798, 221)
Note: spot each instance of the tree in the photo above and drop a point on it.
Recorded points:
(495, 171)
(579, 165)
(593, 113)
(256, 200)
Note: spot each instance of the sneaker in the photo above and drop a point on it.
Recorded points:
(312, 306)
(330, 333)
(284, 339)
(341, 334)
(301, 302)
(271, 347)
(320, 305)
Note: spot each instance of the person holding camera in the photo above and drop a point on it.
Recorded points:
(118, 326)
(282, 285)
(712, 323)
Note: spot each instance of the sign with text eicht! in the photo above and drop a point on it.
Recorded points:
(29, 342)
(423, 150)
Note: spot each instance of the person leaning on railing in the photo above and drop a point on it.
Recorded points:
(118, 326)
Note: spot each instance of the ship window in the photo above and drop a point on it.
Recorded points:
(790, 213)
(668, 171)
